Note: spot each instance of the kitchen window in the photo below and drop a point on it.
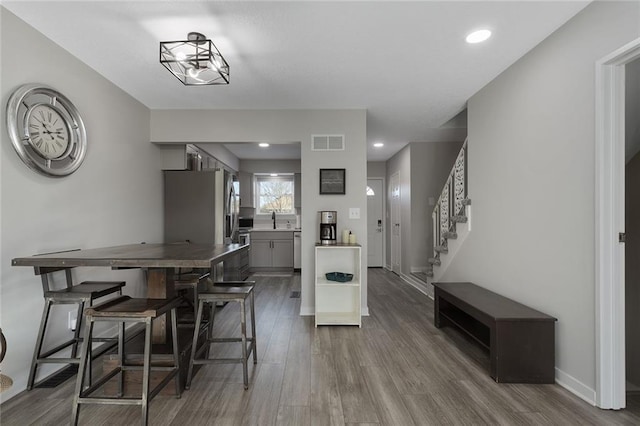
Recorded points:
(275, 194)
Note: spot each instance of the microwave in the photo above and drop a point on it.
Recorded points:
(245, 222)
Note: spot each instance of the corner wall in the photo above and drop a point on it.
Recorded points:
(531, 151)
(115, 197)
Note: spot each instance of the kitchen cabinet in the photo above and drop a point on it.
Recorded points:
(246, 189)
(338, 303)
(297, 190)
(271, 249)
(236, 267)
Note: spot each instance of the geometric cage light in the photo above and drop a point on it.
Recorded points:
(195, 61)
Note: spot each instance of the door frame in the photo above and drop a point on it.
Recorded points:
(610, 202)
(384, 215)
(391, 217)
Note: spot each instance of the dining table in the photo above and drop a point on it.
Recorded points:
(160, 260)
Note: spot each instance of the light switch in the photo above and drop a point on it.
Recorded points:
(354, 213)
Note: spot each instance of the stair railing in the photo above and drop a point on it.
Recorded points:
(451, 202)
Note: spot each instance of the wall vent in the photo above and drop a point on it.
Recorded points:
(327, 142)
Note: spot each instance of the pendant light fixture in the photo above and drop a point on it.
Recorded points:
(195, 61)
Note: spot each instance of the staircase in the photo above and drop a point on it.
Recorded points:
(452, 208)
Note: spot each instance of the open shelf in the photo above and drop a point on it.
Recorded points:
(338, 303)
(321, 280)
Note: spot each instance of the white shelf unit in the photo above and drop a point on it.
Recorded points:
(338, 303)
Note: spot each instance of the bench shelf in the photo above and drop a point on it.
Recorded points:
(520, 340)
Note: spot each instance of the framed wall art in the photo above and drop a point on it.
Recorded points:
(332, 181)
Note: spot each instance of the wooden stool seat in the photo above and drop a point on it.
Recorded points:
(126, 309)
(82, 294)
(234, 291)
(86, 290)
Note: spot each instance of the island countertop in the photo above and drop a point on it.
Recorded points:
(164, 255)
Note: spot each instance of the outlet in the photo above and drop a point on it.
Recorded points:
(71, 320)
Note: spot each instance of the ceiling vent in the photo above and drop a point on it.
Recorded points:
(327, 142)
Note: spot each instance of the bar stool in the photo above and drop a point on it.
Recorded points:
(80, 294)
(189, 282)
(227, 291)
(126, 309)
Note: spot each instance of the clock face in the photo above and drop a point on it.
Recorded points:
(47, 131)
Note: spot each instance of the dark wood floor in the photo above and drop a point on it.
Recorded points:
(398, 369)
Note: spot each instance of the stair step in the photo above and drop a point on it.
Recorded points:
(459, 219)
(434, 261)
(450, 235)
(441, 249)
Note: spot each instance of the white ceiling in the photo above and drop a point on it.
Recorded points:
(406, 63)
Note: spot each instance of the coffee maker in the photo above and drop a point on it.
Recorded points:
(328, 220)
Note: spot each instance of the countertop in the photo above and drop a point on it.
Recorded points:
(274, 230)
(172, 255)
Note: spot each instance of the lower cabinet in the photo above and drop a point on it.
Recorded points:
(260, 253)
(236, 268)
(272, 249)
(282, 253)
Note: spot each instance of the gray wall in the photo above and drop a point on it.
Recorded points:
(270, 166)
(115, 197)
(291, 125)
(376, 169)
(531, 178)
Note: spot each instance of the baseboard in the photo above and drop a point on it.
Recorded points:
(576, 387)
(310, 311)
(419, 285)
(307, 311)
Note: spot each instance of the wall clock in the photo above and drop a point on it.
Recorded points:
(46, 130)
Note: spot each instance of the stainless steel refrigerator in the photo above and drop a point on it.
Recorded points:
(200, 207)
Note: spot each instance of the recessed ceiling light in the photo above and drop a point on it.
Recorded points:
(263, 145)
(378, 144)
(478, 36)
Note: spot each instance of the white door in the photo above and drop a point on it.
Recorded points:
(395, 223)
(375, 217)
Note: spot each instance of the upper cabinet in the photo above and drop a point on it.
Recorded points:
(246, 189)
(297, 191)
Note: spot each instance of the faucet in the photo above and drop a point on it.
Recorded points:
(273, 217)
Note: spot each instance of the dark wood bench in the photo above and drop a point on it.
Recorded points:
(520, 340)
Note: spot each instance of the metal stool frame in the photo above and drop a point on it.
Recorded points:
(81, 295)
(108, 312)
(186, 281)
(227, 291)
